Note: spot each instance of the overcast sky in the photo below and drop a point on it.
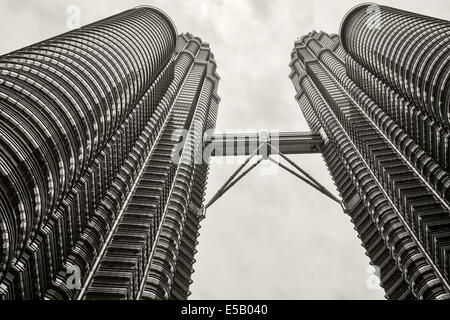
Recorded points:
(269, 237)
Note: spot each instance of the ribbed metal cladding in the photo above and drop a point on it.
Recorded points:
(430, 136)
(73, 113)
(150, 253)
(408, 51)
(171, 264)
(391, 278)
(396, 196)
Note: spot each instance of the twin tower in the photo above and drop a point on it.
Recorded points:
(93, 204)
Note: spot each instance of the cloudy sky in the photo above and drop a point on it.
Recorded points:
(270, 236)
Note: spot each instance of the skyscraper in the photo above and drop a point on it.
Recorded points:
(91, 204)
(379, 95)
(101, 129)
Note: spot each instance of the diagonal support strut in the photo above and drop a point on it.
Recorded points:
(309, 180)
(230, 182)
(235, 178)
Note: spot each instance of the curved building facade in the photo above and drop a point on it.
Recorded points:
(408, 51)
(378, 93)
(151, 253)
(81, 116)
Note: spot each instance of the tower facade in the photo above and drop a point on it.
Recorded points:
(379, 95)
(92, 202)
